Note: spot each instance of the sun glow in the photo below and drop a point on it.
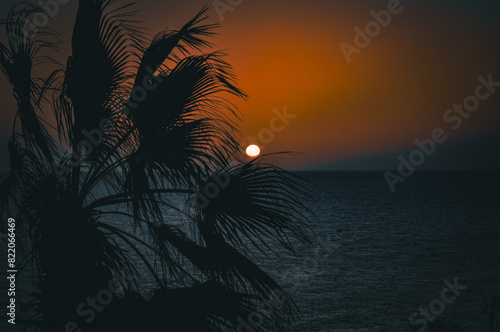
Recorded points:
(253, 150)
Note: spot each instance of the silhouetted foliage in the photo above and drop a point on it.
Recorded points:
(83, 208)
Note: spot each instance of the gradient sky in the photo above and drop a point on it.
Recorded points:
(349, 116)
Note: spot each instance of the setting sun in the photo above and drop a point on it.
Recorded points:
(253, 151)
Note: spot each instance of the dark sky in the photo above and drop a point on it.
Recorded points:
(359, 114)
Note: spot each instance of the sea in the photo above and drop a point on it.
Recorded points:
(393, 253)
(385, 261)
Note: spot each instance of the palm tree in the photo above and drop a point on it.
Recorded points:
(139, 129)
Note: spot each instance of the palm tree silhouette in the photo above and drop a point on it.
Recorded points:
(147, 125)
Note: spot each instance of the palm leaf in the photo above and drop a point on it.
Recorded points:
(164, 44)
(17, 62)
(259, 201)
(99, 68)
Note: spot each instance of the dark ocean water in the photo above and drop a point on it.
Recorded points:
(378, 257)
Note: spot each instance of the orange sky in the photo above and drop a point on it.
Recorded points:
(286, 53)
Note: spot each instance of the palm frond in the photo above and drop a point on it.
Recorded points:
(100, 65)
(163, 45)
(17, 62)
(258, 201)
